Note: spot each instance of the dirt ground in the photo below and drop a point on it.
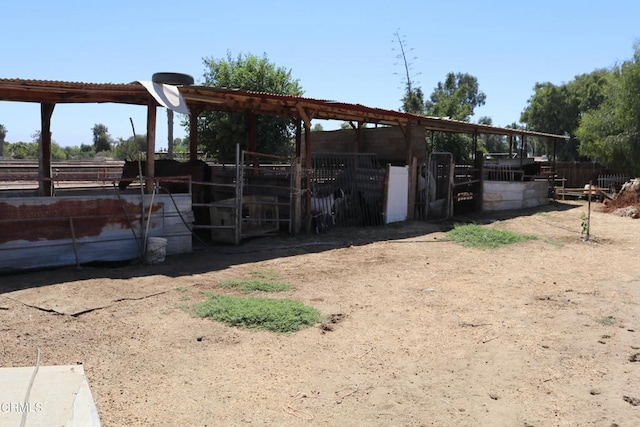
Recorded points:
(425, 332)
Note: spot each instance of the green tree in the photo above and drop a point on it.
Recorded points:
(492, 143)
(458, 144)
(22, 150)
(317, 128)
(413, 101)
(101, 139)
(558, 109)
(3, 135)
(128, 149)
(610, 134)
(57, 152)
(221, 131)
(456, 98)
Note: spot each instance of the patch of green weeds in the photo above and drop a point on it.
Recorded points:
(472, 235)
(263, 281)
(277, 315)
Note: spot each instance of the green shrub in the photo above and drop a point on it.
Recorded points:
(264, 280)
(483, 237)
(277, 315)
(256, 285)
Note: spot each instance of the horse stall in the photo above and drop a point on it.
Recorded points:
(87, 220)
(356, 162)
(346, 189)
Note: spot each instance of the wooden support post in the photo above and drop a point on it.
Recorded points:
(412, 163)
(307, 167)
(510, 145)
(479, 186)
(413, 179)
(170, 133)
(306, 119)
(475, 143)
(297, 201)
(151, 144)
(250, 125)
(193, 133)
(44, 150)
(298, 137)
(358, 145)
(385, 192)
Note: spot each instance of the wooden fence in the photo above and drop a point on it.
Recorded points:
(577, 174)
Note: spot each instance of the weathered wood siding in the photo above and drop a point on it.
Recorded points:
(508, 195)
(42, 232)
(388, 143)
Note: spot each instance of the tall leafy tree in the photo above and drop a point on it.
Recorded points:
(492, 143)
(220, 131)
(456, 98)
(101, 139)
(130, 149)
(558, 108)
(23, 150)
(610, 134)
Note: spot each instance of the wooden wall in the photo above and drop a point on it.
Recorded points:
(577, 174)
(388, 143)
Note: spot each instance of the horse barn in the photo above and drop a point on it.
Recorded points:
(71, 213)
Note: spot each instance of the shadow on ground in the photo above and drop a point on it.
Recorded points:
(214, 257)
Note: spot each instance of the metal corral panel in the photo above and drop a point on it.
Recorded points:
(510, 195)
(42, 232)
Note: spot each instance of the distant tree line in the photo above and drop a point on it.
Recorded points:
(599, 111)
(104, 146)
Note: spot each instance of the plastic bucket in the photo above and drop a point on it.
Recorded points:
(156, 250)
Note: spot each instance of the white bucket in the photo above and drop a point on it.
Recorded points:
(156, 250)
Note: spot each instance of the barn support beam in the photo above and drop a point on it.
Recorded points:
(169, 133)
(298, 137)
(306, 119)
(297, 177)
(45, 186)
(475, 144)
(193, 133)
(413, 168)
(510, 145)
(250, 125)
(151, 144)
(307, 167)
(359, 136)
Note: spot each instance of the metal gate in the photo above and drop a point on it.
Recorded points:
(346, 189)
(258, 198)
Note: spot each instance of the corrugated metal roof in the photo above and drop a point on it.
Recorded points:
(204, 98)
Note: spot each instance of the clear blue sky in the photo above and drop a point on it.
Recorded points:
(338, 50)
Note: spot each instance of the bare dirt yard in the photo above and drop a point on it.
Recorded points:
(421, 331)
